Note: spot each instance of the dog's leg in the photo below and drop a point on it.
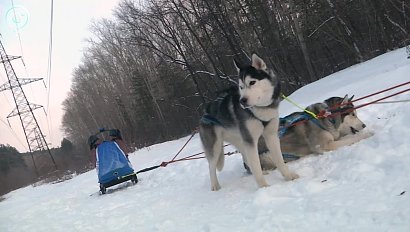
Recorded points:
(248, 146)
(346, 141)
(250, 151)
(273, 144)
(213, 147)
(215, 186)
(216, 162)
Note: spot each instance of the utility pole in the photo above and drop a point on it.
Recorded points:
(34, 136)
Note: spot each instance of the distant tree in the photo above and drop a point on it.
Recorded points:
(10, 158)
(66, 145)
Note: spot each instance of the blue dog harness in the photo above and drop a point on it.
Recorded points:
(288, 121)
(211, 120)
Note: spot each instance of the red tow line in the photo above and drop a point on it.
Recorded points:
(165, 163)
(325, 114)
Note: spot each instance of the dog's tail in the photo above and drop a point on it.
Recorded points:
(221, 160)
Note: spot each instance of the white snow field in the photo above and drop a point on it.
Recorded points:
(363, 187)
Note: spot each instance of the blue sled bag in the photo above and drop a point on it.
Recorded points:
(112, 164)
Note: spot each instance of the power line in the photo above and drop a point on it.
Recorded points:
(19, 36)
(13, 132)
(50, 52)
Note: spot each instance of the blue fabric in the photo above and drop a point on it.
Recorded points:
(289, 157)
(209, 119)
(287, 121)
(111, 162)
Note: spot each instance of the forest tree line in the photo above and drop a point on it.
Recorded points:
(150, 70)
(21, 169)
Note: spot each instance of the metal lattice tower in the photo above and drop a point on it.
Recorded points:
(34, 136)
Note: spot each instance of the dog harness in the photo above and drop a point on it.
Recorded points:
(288, 121)
(211, 120)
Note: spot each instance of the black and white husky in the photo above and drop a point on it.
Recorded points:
(240, 116)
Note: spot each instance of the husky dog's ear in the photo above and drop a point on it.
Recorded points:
(258, 63)
(351, 98)
(345, 100)
(237, 65)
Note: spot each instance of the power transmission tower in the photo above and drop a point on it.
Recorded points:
(34, 136)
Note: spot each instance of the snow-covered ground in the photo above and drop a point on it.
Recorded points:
(363, 187)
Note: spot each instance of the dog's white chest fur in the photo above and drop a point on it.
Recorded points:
(265, 114)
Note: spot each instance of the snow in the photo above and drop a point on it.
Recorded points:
(363, 187)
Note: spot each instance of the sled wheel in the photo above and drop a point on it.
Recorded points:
(134, 179)
(103, 190)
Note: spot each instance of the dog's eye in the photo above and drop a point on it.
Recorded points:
(252, 82)
(241, 87)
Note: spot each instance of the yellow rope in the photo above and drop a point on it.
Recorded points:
(298, 106)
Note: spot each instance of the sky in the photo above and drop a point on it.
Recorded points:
(362, 187)
(71, 23)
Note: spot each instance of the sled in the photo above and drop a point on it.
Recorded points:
(112, 166)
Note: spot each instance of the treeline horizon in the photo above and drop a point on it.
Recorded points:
(150, 70)
(21, 169)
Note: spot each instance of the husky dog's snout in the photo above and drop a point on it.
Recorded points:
(244, 102)
(354, 131)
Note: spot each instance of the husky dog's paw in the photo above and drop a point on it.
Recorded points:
(264, 186)
(265, 172)
(216, 187)
(291, 176)
(366, 134)
(262, 182)
(369, 133)
(318, 150)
